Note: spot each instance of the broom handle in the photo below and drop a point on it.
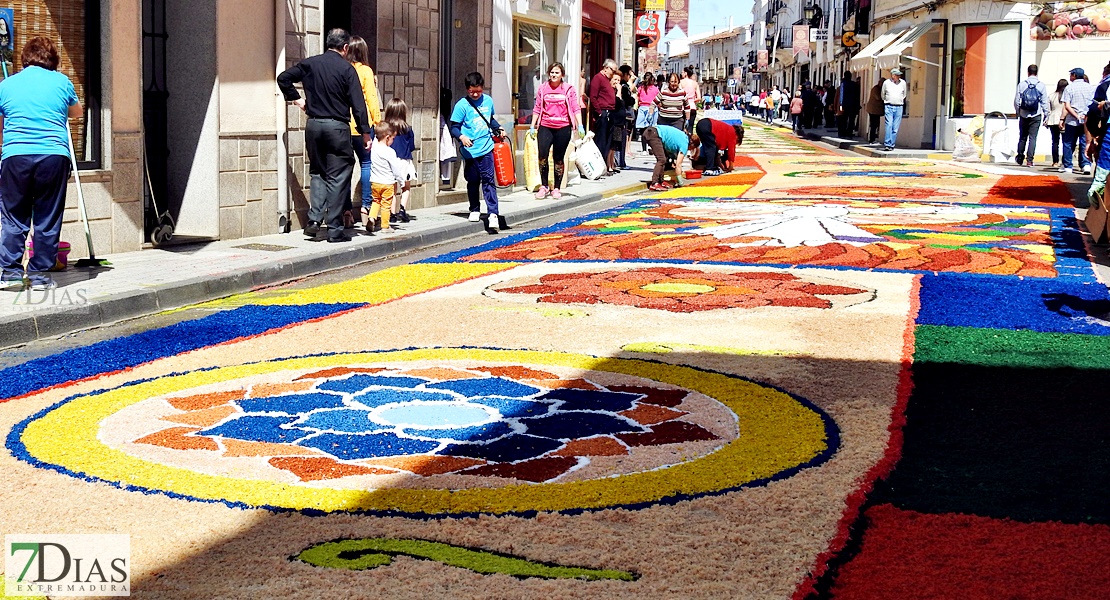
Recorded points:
(80, 194)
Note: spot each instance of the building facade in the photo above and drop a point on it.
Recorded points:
(717, 59)
(184, 120)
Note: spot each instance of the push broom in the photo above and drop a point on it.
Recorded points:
(92, 260)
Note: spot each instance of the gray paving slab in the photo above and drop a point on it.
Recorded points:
(157, 279)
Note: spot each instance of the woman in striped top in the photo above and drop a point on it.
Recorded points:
(673, 104)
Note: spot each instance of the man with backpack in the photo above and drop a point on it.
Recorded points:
(1096, 149)
(1031, 105)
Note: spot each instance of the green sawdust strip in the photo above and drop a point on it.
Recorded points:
(360, 555)
(1009, 348)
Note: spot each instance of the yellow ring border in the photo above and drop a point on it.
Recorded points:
(777, 432)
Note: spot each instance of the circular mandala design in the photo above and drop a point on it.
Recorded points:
(885, 174)
(679, 290)
(438, 431)
(870, 192)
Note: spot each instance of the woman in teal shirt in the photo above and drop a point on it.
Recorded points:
(35, 106)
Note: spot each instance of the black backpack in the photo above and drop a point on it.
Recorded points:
(1031, 98)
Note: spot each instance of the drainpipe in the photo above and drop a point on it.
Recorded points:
(281, 120)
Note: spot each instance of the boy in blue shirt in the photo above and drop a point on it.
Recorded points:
(666, 142)
(472, 123)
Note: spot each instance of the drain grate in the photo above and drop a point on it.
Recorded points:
(264, 247)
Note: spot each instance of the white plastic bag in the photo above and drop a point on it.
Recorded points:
(588, 159)
(965, 149)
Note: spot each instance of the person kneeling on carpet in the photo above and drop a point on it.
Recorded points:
(716, 141)
(666, 142)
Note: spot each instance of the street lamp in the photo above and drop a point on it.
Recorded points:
(813, 14)
(808, 12)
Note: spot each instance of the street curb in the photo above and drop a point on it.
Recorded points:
(19, 329)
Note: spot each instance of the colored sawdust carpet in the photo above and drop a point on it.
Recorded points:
(766, 385)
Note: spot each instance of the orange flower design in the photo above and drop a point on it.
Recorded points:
(683, 290)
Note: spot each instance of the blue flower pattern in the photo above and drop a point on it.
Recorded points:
(365, 416)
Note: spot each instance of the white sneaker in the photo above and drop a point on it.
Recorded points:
(494, 223)
(475, 217)
(1087, 170)
(1063, 169)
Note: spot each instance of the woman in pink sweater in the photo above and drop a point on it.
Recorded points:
(556, 112)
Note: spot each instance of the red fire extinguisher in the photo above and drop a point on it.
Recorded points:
(503, 165)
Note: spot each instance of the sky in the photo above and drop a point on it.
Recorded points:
(705, 14)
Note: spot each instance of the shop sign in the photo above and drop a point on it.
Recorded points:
(819, 34)
(761, 60)
(647, 25)
(651, 4)
(848, 39)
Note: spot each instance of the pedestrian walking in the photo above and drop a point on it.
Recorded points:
(1031, 106)
(847, 106)
(1077, 97)
(473, 124)
(715, 136)
(796, 106)
(689, 84)
(894, 94)
(875, 111)
(1097, 145)
(35, 106)
(674, 108)
(646, 113)
(556, 117)
(603, 99)
(404, 143)
(1054, 120)
(626, 93)
(386, 171)
(811, 106)
(333, 94)
(667, 144)
(358, 54)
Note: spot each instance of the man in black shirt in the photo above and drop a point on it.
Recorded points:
(333, 94)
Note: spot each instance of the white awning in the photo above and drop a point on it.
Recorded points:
(863, 59)
(890, 56)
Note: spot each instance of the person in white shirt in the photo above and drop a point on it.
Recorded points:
(386, 170)
(894, 101)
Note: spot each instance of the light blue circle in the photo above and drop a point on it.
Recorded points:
(433, 415)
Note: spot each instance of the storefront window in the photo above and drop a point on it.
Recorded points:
(977, 89)
(74, 26)
(535, 51)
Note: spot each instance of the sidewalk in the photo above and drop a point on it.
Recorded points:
(150, 281)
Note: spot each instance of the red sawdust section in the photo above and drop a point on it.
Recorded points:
(535, 471)
(596, 446)
(176, 438)
(202, 401)
(516, 372)
(264, 390)
(908, 555)
(337, 372)
(669, 398)
(649, 414)
(746, 161)
(671, 432)
(322, 467)
(1029, 190)
(563, 384)
(203, 418)
(241, 448)
(425, 465)
(440, 373)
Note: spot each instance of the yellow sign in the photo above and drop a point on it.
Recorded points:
(849, 39)
(651, 4)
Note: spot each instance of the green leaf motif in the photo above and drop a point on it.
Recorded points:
(369, 553)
